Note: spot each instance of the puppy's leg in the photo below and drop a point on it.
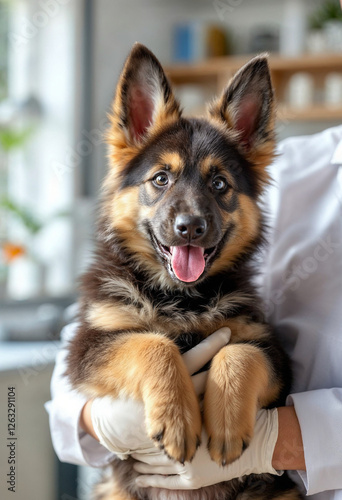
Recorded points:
(241, 380)
(111, 491)
(148, 367)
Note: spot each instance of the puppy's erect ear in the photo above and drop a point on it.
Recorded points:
(143, 101)
(246, 107)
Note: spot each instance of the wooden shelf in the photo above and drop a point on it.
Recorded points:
(277, 63)
(315, 113)
(215, 73)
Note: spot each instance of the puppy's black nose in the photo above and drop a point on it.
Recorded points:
(190, 227)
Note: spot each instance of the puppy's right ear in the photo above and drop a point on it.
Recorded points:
(143, 102)
(247, 109)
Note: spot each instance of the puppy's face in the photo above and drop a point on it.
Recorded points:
(181, 193)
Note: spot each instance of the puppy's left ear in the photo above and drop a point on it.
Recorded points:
(144, 101)
(246, 107)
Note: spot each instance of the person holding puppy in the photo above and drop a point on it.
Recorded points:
(302, 291)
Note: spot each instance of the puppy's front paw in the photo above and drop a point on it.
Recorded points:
(230, 406)
(173, 419)
(229, 424)
(175, 423)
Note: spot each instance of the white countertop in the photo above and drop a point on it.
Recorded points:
(19, 355)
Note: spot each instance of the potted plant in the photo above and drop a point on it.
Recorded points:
(326, 28)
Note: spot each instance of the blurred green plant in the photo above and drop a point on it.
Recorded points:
(12, 139)
(10, 249)
(330, 10)
(27, 218)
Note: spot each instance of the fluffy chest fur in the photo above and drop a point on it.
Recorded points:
(120, 304)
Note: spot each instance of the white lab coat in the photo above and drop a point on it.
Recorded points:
(302, 287)
(303, 295)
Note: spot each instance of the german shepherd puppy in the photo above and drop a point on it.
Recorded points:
(179, 226)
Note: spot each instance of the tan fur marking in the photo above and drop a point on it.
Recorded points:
(250, 218)
(164, 115)
(209, 162)
(244, 330)
(240, 381)
(150, 368)
(147, 212)
(167, 161)
(247, 221)
(114, 316)
(173, 159)
(124, 209)
(124, 217)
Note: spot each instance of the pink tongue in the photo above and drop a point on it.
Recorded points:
(187, 262)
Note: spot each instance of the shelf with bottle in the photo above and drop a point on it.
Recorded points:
(212, 75)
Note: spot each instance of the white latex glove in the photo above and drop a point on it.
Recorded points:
(120, 423)
(161, 472)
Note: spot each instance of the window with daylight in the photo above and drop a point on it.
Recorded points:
(37, 122)
(4, 22)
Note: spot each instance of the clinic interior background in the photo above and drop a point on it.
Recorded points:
(59, 63)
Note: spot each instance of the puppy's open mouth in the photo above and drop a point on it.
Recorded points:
(188, 262)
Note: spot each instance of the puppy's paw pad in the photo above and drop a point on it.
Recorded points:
(177, 436)
(224, 451)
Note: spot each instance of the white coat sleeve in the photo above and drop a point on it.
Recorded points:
(70, 442)
(319, 413)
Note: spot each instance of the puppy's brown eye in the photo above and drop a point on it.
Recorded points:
(160, 179)
(219, 184)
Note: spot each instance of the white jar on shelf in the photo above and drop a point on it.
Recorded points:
(301, 90)
(333, 89)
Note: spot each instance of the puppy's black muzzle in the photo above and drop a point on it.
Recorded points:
(190, 227)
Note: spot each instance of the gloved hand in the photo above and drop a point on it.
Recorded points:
(161, 472)
(120, 423)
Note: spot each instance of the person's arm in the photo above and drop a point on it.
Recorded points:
(85, 420)
(289, 450)
(71, 443)
(319, 416)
